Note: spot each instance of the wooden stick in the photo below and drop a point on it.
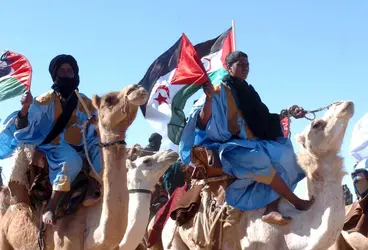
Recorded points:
(83, 103)
(233, 31)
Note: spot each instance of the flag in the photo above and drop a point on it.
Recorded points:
(213, 53)
(15, 75)
(285, 122)
(170, 80)
(359, 139)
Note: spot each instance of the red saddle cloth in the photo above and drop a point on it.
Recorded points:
(164, 214)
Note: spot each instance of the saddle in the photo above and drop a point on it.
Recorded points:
(207, 165)
(40, 187)
(185, 202)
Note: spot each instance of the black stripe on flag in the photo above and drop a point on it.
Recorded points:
(164, 64)
(211, 46)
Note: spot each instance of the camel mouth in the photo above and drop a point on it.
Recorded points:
(169, 155)
(137, 96)
(345, 109)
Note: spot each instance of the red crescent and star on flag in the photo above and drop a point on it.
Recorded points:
(160, 98)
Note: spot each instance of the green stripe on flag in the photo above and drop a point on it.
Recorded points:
(216, 76)
(10, 87)
(178, 119)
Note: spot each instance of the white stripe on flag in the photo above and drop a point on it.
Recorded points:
(159, 115)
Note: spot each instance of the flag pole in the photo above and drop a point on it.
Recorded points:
(233, 32)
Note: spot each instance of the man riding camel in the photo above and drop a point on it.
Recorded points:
(53, 123)
(247, 142)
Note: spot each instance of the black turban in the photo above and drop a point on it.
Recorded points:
(155, 136)
(61, 59)
(233, 57)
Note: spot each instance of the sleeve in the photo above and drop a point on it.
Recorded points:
(21, 121)
(216, 130)
(217, 127)
(7, 141)
(39, 122)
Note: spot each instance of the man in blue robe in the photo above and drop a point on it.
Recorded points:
(236, 126)
(53, 123)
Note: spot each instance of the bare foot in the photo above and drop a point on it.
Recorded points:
(48, 218)
(275, 217)
(304, 205)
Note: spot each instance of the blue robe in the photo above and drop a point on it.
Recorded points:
(253, 162)
(64, 161)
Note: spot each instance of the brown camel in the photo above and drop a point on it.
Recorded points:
(99, 227)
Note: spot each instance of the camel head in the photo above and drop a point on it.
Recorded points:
(144, 172)
(325, 134)
(134, 152)
(117, 110)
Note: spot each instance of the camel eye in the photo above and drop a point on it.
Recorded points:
(320, 124)
(111, 100)
(147, 161)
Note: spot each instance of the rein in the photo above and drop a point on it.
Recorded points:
(298, 112)
(141, 191)
(109, 144)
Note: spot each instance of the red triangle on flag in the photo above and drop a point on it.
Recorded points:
(190, 69)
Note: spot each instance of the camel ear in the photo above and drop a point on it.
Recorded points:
(96, 101)
(300, 139)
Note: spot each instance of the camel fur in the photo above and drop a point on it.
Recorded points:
(143, 174)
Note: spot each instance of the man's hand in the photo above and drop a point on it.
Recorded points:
(208, 89)
(27, 99)
(26, 102)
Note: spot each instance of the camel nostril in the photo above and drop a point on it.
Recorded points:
(130, 91)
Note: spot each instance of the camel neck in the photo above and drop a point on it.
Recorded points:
(115, 193)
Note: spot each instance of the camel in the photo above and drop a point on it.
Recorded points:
(103, 225)
(317, 228)
(143, 174)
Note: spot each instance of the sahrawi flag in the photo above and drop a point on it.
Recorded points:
(15, 75)
(170, 80)
(213, 53)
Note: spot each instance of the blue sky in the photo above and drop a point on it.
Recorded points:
(309, 53)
